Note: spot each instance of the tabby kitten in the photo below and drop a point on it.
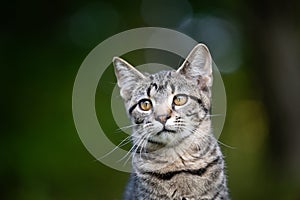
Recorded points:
(175, 155)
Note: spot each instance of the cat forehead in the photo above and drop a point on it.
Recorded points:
(173, 77)
(164, 77)
(157, 85)
(163, 83)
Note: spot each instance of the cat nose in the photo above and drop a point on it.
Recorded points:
(162, 118)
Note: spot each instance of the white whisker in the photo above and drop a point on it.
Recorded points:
(122, 143)
(226, 145)
(216, 115)
(120, 129)
(133, 146)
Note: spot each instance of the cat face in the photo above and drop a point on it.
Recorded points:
(169, 106)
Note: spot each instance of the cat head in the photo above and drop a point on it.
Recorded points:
(169, 106)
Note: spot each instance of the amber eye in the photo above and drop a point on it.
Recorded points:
(145, 104)
(180, 100)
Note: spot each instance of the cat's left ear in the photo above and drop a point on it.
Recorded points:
(198, 66)
(127, 77)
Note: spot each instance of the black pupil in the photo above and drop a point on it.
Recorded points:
(179, 98)
(144, 104)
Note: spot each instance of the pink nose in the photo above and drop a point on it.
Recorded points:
(162, 118)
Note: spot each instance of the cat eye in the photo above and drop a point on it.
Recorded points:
(180, 100)
(145, 104)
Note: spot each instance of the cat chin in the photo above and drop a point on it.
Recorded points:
(167, 138)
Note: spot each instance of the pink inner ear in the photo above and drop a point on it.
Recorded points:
(202, 82)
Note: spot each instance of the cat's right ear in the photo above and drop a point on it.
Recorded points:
(127, 77)
(198, 66)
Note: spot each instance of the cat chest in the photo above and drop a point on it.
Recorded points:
(179, 186)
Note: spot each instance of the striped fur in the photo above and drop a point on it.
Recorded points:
(174, 153)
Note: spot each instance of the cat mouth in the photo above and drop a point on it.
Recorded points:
(164, 130)
(157, 141)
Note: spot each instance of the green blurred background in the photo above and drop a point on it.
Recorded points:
(255, 44)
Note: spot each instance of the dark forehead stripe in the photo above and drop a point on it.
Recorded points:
(161, 87)
(166, 84)
(150, 87)
(173, 88)
(196, 99)
(148, 91)
(200, 102)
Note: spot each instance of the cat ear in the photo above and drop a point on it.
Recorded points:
(198, 66)
(127, 77)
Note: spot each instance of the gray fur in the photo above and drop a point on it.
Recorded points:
(175, 155)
